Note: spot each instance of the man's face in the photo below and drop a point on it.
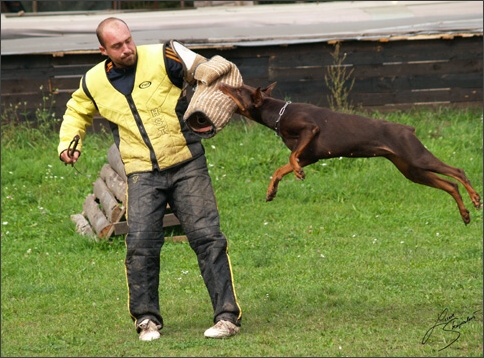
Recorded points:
(118, 45)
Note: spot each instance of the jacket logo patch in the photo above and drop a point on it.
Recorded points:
(144, 84)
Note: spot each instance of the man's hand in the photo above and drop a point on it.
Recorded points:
(70, 155)
(70, 159)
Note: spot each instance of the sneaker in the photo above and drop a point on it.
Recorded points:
(222, 329)
(149, 331)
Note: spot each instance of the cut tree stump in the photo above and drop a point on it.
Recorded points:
(104, 211)
(114, 160)
(108, 202)
(114, 182)
(82, 225)
(96, 217)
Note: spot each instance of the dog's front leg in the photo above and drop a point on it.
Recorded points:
(276, 178)
(305, 137)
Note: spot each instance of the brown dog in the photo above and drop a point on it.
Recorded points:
(313, 133)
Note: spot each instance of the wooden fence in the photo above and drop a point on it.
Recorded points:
(443, 70)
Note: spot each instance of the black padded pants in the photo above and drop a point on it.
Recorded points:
(188, 190)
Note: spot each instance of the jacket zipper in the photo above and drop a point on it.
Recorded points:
(142, 130)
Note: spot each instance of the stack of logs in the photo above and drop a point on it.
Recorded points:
(105, 209)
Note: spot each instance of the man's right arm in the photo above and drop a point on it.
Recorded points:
(78, 116)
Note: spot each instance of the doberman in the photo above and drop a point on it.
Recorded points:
(313, 133)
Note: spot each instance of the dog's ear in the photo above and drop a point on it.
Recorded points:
(267, 91)
(257, 97)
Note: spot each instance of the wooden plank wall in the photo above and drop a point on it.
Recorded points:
(393, 74)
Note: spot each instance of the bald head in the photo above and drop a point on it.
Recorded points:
(109, 24)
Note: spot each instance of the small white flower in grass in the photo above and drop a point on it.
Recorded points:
(354, 235)
(437, 234)
(10, 172)
(29, 251)
(5, 223)
(184, 272)
(213, 147)
(322, 256)
(402, 242)
(266, 223)
(374, 241)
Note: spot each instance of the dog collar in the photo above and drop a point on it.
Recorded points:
(281, 112)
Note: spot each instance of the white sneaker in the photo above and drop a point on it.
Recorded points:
(222, 329)
(149, 331)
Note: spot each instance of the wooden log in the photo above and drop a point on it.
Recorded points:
(107, 200)
(177, 238)
(96, 217)
(121, 228)
(114, 160)
(112, 230)
(114, 182)
(170, 220)
(82, 225)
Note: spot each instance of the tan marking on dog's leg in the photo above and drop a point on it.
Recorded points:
(276, 178)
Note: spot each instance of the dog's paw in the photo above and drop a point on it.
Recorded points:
(465, 216)
(476, 200)
(300, 175)
(270, 196)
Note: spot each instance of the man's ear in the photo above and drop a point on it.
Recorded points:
(103, 50)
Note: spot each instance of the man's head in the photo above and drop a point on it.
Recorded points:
(116, 42)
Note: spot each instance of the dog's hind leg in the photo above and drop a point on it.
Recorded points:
(426, 177)
(459, 174)
(408, 149)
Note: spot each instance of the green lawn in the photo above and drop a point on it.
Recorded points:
(353, 261)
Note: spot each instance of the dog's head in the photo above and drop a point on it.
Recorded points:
(247, 98)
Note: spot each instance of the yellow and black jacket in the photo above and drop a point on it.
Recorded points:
(147, 121)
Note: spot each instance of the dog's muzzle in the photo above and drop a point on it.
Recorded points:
(199, 123)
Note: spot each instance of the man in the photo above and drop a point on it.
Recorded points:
(139, 91)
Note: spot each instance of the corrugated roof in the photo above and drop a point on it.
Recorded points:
(251, 25)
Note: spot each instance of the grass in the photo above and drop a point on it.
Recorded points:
(353, 261)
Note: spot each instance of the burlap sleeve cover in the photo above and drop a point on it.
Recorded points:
(209, 109)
